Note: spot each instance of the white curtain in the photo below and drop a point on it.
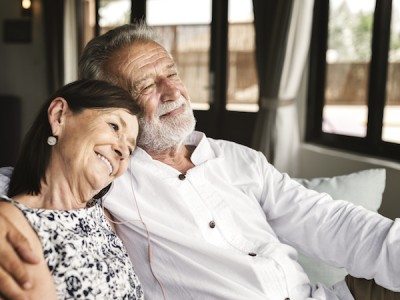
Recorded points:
(283, 136)
(70, 42)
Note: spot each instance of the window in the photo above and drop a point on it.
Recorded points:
(87, 19)
(242, 91)
(354, 95)
(99, 16)
(186, 34)
(113, 13)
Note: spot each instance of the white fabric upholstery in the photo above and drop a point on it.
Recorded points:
(5, 174)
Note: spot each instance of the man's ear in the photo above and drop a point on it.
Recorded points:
(57, 113)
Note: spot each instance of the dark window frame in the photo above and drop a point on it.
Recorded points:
(372, 144)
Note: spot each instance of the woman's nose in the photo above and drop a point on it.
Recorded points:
(122, 150)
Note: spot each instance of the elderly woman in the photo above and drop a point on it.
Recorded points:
(79, 143)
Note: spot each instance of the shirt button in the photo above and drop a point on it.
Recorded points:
(252, 254)
(182, 176)
(211, 224)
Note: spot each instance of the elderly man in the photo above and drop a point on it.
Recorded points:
(211, 219)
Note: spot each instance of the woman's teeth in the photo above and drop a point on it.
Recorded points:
(106, 161)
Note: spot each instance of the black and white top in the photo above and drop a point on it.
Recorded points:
(85, 257)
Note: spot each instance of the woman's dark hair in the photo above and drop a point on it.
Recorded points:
(35, 153)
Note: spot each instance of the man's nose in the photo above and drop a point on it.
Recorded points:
(168, 90)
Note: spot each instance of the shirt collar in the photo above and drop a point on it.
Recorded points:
(205, 149)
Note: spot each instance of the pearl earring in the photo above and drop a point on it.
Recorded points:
(51, 140)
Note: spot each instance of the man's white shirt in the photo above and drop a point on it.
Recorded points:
(228, 229)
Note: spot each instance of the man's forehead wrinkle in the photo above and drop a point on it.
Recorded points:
(150, 63)
(151, 57)
(118, 65)
(128, 68)
(139, 63)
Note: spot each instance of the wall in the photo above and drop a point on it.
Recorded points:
(23, 64)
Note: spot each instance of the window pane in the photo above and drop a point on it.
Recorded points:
(391, 117)
(185, 32)
(242, 92)
(348, 56)
(113, 13)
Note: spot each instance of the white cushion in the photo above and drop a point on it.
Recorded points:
(5, 174)
(363, 188)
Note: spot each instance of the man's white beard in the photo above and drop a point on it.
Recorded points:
(160, 134)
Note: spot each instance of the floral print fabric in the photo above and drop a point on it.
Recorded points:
(85, 257)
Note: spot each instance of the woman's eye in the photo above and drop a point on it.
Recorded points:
(114, 126)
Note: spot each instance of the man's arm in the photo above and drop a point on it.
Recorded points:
(335, 231)
(14, 251)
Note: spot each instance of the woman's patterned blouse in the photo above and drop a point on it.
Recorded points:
(85, 257)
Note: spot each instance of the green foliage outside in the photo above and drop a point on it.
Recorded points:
(350, 34)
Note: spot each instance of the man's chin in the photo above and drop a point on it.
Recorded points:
(161, 143)
(165, 136)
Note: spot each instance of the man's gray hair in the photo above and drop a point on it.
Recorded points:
(100, 49)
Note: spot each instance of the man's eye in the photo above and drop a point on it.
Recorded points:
(147, 88)
(114, 126)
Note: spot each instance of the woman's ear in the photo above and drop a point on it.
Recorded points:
(57, 113)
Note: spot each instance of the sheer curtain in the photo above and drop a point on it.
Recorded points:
(70, 41)
(280, 58)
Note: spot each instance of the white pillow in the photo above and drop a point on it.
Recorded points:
(363, 188)
(5, 174)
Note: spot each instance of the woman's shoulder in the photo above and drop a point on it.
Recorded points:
(16, 217)
(9, 209)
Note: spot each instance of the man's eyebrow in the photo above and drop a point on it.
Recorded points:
(139, 81)
(171, 66)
